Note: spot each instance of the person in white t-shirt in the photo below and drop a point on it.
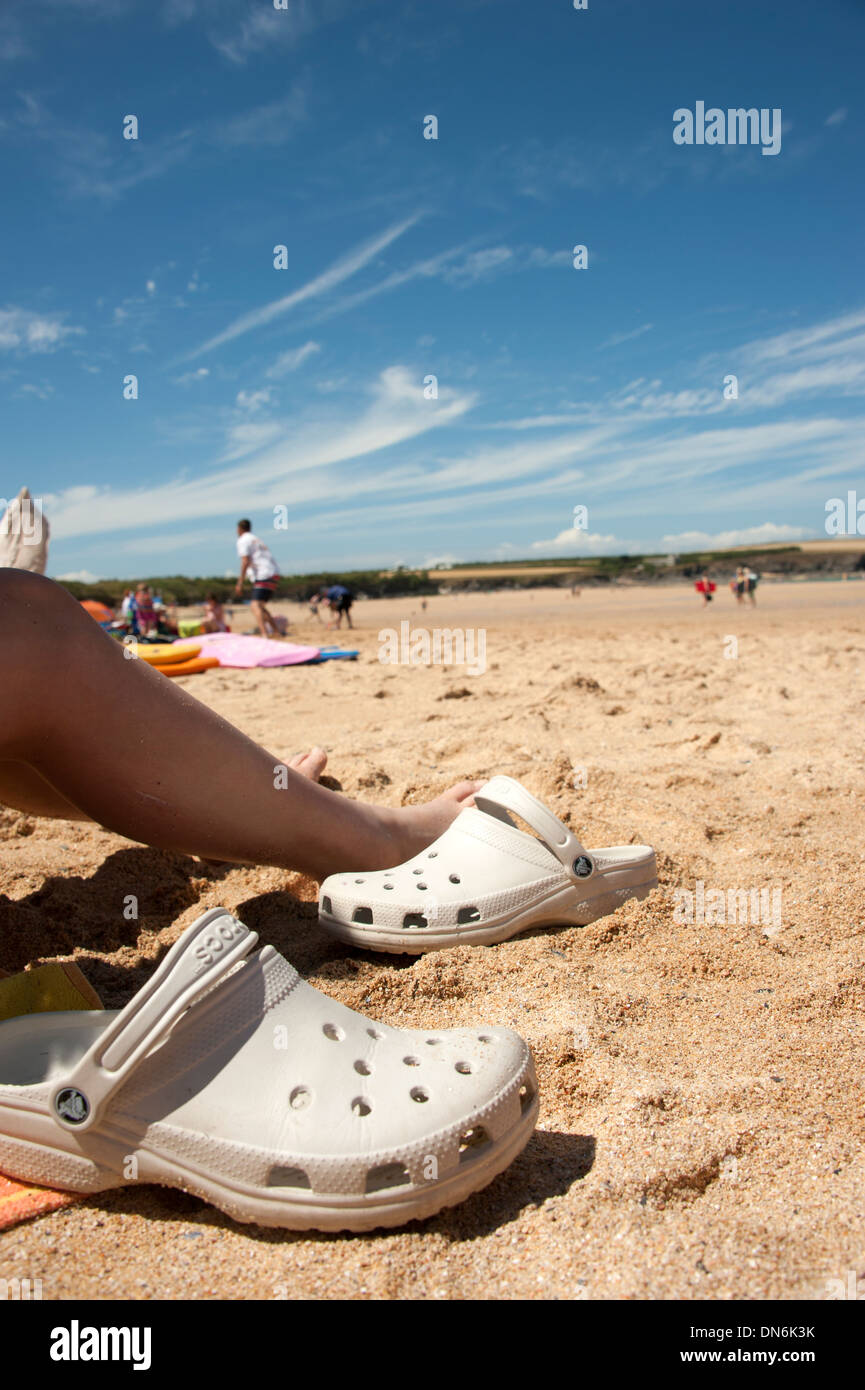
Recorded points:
(258, 564)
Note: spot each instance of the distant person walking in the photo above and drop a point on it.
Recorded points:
(737, 585)
(751, 582)
(340, 599)
(705, 587)
(258, 564)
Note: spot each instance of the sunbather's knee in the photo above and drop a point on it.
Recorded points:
(30, 617)
(20, 588)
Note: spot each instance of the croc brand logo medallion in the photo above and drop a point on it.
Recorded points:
(583, 866)
(72, 1106)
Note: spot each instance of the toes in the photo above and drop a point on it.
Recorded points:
(311, 764)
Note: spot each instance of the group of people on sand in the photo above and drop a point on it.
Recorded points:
(143, 614)
(743, 586)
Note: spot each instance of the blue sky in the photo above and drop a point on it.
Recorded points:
(303, 387)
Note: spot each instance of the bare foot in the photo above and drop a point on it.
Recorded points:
(410, 829)
(311, 764)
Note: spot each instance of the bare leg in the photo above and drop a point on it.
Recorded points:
(23, 788)
(264, 622)
(131, 750)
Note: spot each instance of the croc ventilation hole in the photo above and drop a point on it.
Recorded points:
(433, 854)
(388, 885)
(473, 1142)
(527, 1095)
(420, 1094)
(422, 887)
(417, 871)
(300, 1098)
(327, 904)
(468, 914)
(375, 1033)
(362, 914)
(484, 1038)
(388, 1175)
(464, 1068)
(331, 1031)
(414, 919)
(288, 1177)
(363, 1068)
(453, 878)
(433, 1042)
(411, 1061)
(360, 880)
(361, 1106)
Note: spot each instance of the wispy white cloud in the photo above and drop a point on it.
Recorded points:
(264, 28)
(616, 338)
(291, 360)
(574, 541)
(253, 400)
(340, 271)
(297, 463)
(478, 265)
(43, 393)
(768, 532)
(95, 164)
(271, 124)
(23, 331)
(198, 374)
(837, 117)
(78, 577)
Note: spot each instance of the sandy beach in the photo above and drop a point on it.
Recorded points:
(703, 1104)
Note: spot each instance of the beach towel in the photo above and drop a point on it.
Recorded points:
(246, 652)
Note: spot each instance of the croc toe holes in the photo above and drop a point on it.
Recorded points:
(288, 1177)
(468, 914)
(327, 904)
(453, 878)
(421, 887)
(411, 1061)
(387, 1175)
(419, 1094)
(417, 871)
(300, 1098)
(464, 1068)
(527, 1095)
(362, 1068)
(388, 886)
(375, 1033)
(433, 1042)
(361, 1106)
(484, 1038)
(331, 1031)
(362, 915)
(473, 1142)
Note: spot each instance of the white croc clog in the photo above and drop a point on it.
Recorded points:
(236, 1081)
(484, 880)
